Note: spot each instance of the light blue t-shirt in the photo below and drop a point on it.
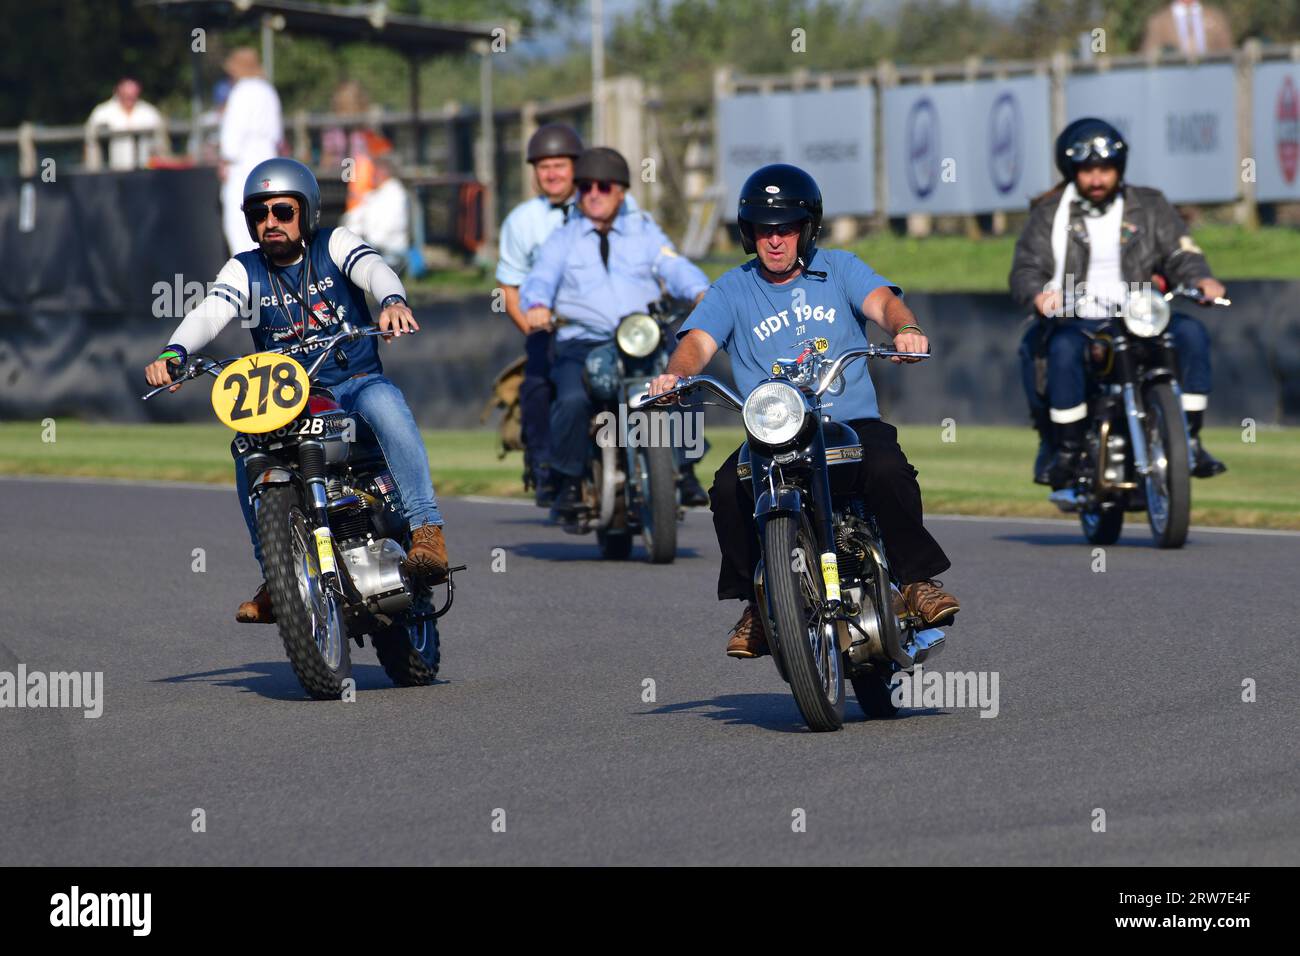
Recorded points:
(757, 322)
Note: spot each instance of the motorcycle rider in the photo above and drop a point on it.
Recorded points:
(299, 284)
(594, 270)
(780, 217)
(552, 151)
(1112, 235)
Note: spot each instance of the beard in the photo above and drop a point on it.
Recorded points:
(280, 248)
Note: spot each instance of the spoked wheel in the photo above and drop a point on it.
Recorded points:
(1169, 482)
(308, 613)
(657, 489)
(809, 647)
(409, 647)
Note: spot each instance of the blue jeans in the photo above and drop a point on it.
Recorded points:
(1031, 344)
(570, 409)
(535, 400)
(381, 404)
(1067, 377)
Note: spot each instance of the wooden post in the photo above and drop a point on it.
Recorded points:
(1245, 59)
(527, 127)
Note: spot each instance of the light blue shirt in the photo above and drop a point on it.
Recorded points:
(570, 279)
(528, 226)
(757, 322)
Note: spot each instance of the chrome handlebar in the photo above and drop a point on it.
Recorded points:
(202, 365)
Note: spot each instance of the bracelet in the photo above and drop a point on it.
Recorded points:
(174, 353)
(904, 328)
(392, 300)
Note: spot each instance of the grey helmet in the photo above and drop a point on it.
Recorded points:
(282, 176)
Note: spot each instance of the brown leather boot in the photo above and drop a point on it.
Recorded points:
(747, 636)
(256, 610)
(932, 605)
(427, 558)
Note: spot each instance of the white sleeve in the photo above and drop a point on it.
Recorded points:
(227, 297)
(232, 124)
(363, 266)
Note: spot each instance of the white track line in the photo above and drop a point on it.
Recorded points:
(525, 503)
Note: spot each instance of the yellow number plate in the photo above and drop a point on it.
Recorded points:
(260, 393)
(831, 575)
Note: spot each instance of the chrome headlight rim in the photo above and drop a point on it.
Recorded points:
(638, 335)
(758, 403)
(1146, 314)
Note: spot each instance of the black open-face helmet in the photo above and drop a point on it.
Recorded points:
(554, 139)
(1088, 142)
(777, 194)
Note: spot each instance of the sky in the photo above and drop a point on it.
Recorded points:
(578, 29)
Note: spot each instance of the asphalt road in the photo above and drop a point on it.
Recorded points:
(1118, 691)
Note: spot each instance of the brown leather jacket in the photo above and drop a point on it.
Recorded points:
(1153, 239)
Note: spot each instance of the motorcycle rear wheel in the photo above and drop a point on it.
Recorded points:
(874, 695)
(410, 650)
(1102, 524)
(308, 614)
(811, 652)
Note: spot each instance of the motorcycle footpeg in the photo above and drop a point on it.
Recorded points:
(1067, 499)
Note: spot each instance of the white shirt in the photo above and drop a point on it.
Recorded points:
(251, 129)
(133, 136)
(383, 219)
(1190, 23)
(1105, 280)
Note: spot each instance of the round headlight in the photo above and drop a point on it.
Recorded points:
(1146, 314)
(638, 335)
(774, 413)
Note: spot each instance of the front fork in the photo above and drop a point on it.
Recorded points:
(824, 524)
(311, 459)
(1132, 410)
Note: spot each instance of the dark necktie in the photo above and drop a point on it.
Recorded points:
(604, 249)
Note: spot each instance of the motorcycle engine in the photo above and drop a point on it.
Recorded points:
(376, 570)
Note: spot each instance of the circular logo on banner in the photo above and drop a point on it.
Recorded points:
(1004, 142)
(922, 143)
(260, 393)
(1288, 129)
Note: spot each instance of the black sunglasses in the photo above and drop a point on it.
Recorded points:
(763, 229)
(283, 211)
(603, 185)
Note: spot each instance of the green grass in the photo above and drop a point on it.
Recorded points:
(984, 471)
(958, 264)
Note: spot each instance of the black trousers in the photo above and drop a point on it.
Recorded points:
(884, 478)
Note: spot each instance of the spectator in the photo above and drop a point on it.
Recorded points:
(1189, 27)
(135, 130)
(251, 132)
(382, 218)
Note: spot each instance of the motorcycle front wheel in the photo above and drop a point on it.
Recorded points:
(1169, 481)
(307, 612)
(809, 648)
(656, 472)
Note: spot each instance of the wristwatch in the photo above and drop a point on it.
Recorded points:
(392, 300)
